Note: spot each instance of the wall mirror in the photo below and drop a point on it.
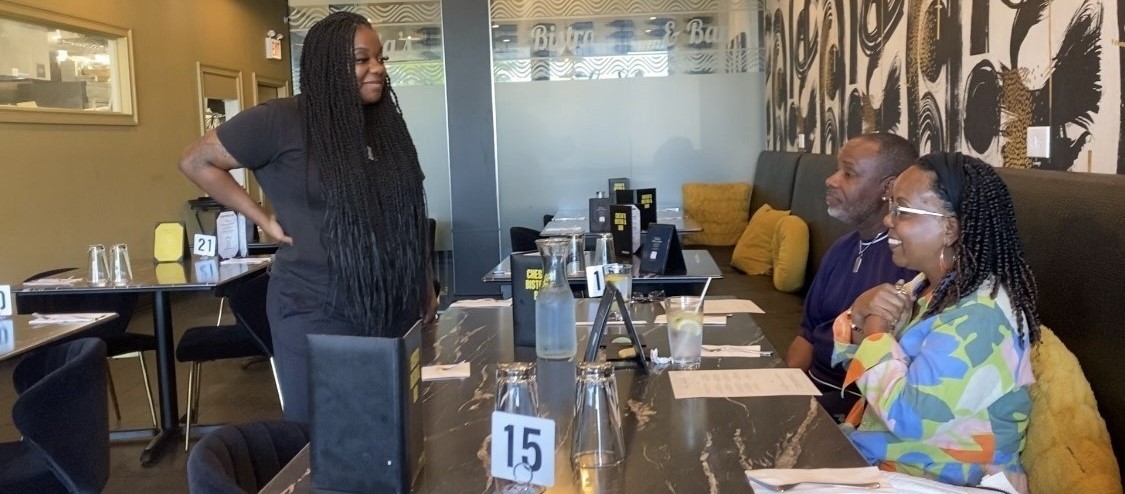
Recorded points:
(56, 68)
(220, 98)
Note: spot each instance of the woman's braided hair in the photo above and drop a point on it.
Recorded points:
(375, 233)
(989, 247)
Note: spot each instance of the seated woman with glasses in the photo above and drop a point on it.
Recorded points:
(943, 362)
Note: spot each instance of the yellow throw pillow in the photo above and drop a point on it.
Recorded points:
(1067, 447)
(790, 254)
(752, 254)
(720, 209)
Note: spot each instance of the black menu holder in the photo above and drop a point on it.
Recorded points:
(617, 184)
(600, 219)
(527, 277)
(646, 202)
(626, 229)
(662, 253)
(625, 196)
(365, 412)
(601, 320)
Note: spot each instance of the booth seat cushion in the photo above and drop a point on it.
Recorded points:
(790, 254)
(752, 253)
(722, 210)
(1067, 448)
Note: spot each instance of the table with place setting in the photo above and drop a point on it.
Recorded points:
(671, 444)
(22, 333)
(570, 221)
(161, 280)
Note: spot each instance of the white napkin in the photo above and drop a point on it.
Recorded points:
(480, 302)
(778, 476)
(69, 318)
(720, 320)
(246, 260)
(52, 281)
(449, 371)
(734, 351)
(731, 305)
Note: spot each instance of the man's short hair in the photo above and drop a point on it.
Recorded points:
(896, 154)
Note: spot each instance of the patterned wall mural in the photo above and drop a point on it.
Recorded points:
(964, 75)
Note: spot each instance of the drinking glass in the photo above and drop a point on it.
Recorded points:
(603, 250)
(621, 276)
(122, 269)
(685, 330)
(99, 270)
(516, 389)
(597, 432)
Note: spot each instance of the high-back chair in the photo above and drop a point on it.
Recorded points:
(119, 343)
(248, 337)
(241, 458)
(62, 413)
(523, 239)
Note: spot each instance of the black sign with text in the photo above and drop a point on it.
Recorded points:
(646, 202)
(662, 253)
(626, 228)
(527, 277)
(601, 320)
(600, 219)
(616, 184)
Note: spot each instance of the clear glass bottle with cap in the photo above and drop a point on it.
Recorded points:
(556, 336)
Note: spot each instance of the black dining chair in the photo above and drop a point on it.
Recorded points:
(119, 342)
(547, 219)
(248, 337)
(241, 458)
(433, 242)
(523, 239)
(62, 414)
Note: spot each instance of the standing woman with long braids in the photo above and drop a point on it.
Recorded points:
(946, 394)
(342, 173)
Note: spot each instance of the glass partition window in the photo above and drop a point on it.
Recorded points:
(60, 69)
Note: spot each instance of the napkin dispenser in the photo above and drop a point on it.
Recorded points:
(366, 412)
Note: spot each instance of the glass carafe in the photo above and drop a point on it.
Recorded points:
(556, 336)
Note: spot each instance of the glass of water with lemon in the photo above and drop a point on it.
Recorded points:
(621, 275)
(685, 330)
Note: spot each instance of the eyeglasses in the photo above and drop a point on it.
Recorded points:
(895, 211)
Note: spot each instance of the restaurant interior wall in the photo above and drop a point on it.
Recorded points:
(63, 187)
(957, 75)
(661, 92)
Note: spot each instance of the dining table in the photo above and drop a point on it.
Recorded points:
(570, 221)
(671, 445)
(699, 264)
(160, 279)
(22, 333)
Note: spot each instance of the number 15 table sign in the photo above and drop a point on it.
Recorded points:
(523, 448)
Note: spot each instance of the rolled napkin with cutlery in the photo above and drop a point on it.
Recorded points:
(734, 351)
(823, 480)
(68, 318)
(437, 372)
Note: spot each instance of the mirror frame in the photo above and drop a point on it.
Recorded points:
(124, 70)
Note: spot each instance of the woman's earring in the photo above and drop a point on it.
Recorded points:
(941, 261)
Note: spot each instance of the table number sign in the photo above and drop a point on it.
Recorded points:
(523, 448)
(204, 245)
(595, 280)
(5, 300)
(662, 253)
(7, 335)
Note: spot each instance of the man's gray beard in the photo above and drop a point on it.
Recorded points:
(838, 213)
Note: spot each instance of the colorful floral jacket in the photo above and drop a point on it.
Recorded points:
(947, 396)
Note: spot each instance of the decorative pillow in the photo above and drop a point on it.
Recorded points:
(752, 253)
(790, 254)
(720, 209)
(1067, 447)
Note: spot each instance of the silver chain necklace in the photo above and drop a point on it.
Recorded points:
(863, 246)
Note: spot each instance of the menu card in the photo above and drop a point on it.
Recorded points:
(738, 383)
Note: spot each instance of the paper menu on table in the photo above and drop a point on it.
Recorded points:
(731, 306)
(716, 320)
(737, 383)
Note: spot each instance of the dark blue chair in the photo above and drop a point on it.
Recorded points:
(523, 239)
(119, 343)
(249, 337)
(62, 414)
(241, 458)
